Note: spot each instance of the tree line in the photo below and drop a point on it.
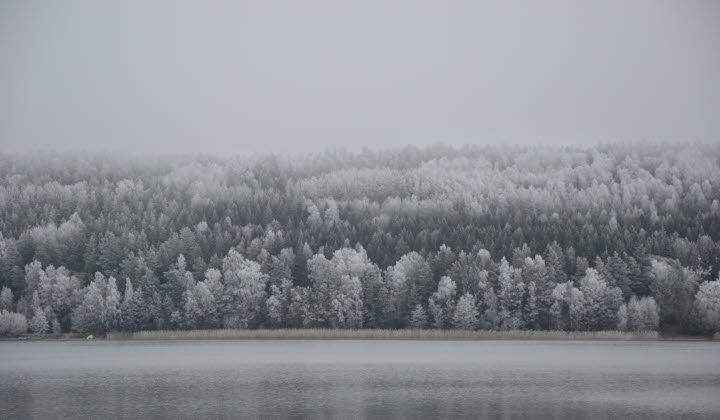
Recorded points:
(579, 239)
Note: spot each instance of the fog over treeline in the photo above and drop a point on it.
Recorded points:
(581, 239)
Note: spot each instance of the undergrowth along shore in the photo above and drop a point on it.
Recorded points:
(378, 334)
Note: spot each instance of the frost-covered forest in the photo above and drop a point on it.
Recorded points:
(580, 239)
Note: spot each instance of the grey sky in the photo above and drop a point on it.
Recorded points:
(234, 77)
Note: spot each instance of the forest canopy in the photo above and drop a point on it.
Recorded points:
(609, 237)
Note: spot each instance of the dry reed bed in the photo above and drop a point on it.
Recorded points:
(368, 334)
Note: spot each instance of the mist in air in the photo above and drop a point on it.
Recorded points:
(246, 77)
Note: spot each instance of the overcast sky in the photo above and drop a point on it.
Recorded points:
(235, 77)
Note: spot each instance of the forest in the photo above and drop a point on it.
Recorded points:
(613, 237)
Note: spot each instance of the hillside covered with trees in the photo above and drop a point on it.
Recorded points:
(580, 239)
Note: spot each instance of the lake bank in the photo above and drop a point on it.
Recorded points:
(374, 334)
(370, 334)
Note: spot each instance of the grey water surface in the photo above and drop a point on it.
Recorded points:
(359, 379)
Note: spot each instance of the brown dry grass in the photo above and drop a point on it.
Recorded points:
(372, 334)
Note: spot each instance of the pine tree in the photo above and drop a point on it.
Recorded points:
(555, 262)
(637, 281)
(491, 314)
(178, 281)
(90, 316)
(568, 309)
(127, 308)
(200, 310)
(276, 307)
(418, 318)
(112, 306)
(618, 270)
(531, 316)
(466, 313)
(38, 323)
(601, 302)
(510, 296)
(673, 287)
(442, 303)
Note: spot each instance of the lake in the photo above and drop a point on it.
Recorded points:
(359, 379)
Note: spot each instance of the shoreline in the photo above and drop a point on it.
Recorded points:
(370, 334)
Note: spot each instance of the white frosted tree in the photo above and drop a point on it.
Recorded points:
(601, 302)
(418, 318)
(363, 291)
(299, 308)
(348, 303)
(531, 315)
(213, 281)
(38, 323)
(7, 301)
(90, 316)
(32, 277)
(244, 292)
(55, 325)
(538, 301)
(707, 306)
(179, 280)
(314, 220)
(491, 314)
(622, 317)
(200, 308)
(409, 282)
(129, 309)
(112, 306)
(274, 305)
(642, 314)
(59, 293)
(510, 296)
(12, 324)
(442, 303)
(568, 308)
(466, 313)
(325, 284)
(673, 287)
(278, 304)
(336, 293)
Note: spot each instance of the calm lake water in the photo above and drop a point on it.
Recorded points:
(356, 379)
